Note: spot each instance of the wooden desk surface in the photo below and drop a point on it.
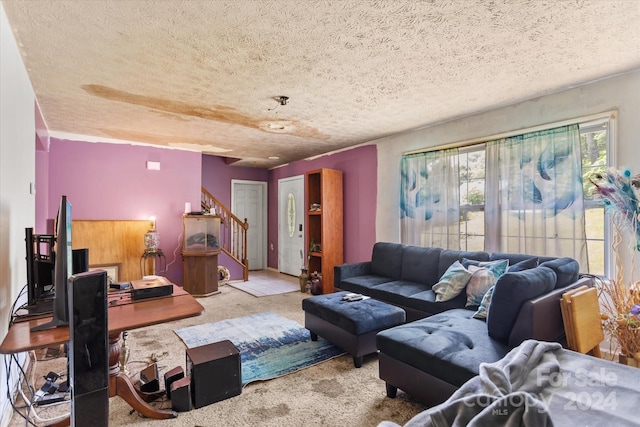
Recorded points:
(122, 317)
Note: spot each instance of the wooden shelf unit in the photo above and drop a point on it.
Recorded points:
(324, 226)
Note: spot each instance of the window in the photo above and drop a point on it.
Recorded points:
(479, 190)
(594, 141)
(472, 187)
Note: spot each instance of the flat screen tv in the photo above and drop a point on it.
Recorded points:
(63, 266)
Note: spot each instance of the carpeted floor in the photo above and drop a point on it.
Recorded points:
(333, 393)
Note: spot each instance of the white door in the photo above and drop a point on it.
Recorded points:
(248, 202)
(291, 224)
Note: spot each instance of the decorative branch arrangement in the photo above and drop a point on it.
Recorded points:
(620, 301)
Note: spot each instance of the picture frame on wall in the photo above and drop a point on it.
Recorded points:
(113, 271)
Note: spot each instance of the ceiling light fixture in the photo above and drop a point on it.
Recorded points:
(282, 99)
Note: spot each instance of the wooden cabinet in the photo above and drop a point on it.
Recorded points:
(200, 250)
(200, 273)
(324, 223)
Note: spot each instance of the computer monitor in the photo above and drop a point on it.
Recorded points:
(63, 266)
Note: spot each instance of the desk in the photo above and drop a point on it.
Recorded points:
(124, 314)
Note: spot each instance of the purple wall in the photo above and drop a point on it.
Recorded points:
(111, 182)
(216, 178)
(359, 179)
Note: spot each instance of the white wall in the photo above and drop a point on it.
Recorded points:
(620, 93)
(17, 172)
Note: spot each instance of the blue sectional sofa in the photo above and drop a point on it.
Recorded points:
(443, 342)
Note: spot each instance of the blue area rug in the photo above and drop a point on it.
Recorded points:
(270, 345)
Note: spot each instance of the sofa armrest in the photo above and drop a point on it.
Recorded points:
(541, 319)
(344, 271)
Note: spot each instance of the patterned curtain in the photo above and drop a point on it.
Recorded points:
(430, 199)
(539, 208)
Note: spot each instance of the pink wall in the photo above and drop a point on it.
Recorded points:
(216, 178)
(110, 181)
(359, 180)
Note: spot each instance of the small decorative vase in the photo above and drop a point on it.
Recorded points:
(304, 277)
(316, 283)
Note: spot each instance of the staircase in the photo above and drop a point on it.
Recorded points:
(233, 231)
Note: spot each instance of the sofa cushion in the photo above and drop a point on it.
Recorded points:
(396, 292)
(449, 256)
(513, 258)
(449, 345)
(363, 284)
(452, 282)
(511, 291)
(566, 270)
(386, 260)
(420, 264)
(525, 264)
(426, 302)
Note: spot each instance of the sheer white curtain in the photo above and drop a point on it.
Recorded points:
(539, 208)
(430, 199)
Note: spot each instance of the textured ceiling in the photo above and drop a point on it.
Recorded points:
(203, 75)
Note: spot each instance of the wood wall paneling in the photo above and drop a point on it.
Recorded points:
(114, 242)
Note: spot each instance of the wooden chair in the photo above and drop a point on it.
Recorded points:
(582, 323)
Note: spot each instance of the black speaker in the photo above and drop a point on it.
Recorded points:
(181, 394)
(170, 376)
(215, 372)
(80, 260)
(88, 349)
(149, 381)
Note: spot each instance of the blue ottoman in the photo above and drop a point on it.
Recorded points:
(351, 326)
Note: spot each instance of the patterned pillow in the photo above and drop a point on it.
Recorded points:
(498, 267)
(483, 309)
(452, 282)
(482, 279)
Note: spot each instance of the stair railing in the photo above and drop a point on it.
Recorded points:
(233, 231)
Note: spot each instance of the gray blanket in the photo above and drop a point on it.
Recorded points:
(505, 393)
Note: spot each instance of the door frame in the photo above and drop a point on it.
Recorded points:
(265, 198)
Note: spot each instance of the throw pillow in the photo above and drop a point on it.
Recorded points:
(497, 267)
(452, 282)
(483, 309)
(482, 279)
(524, 265)
(566, 270)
